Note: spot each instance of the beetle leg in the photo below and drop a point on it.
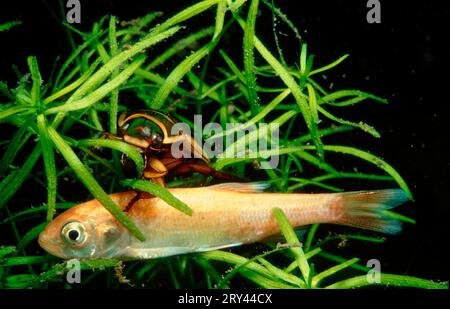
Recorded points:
(140, 143)
(107, 135)
(192, 149)
(156, 165)
(132, 202)
(190, 167)
(139, 195)
(160, 181)
(155, 170)
(171, 163)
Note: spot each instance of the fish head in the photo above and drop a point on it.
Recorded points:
(86, 231)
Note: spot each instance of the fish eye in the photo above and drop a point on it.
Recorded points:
(73, 233)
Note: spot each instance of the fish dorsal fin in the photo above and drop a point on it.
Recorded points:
(244, 187)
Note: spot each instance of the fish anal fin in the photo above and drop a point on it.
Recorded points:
(152, 253)
(218, 247)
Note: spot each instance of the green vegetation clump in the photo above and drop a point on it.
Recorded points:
(133, 58)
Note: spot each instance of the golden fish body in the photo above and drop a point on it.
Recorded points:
(223, 216)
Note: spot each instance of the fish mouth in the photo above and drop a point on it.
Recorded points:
(50, 245)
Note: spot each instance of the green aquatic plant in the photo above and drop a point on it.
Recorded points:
(7, 26)
(84, 93)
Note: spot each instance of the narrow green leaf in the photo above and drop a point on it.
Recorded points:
(16, 143)
(338, 259)
(182, 69)
(49, 165)
(324, 132)
(361, 125)
(179, 46)
(98, 77)
(72, 57)
(264, 282)
(264, 112)
(99, 93)
(7, 26)
(372, 159)
(11, 111)
(308, 255)
(303, 56)
(246, 267)
(354, 175)
(303, 182)
(6, 92)
(233, 67)
(315, 161)
(290, 82)
(137, 28)
(291, 238)
(249, 58)
(20, 281)
(36, 76)
(331, 271)
(74, 84)
(114, 100)
(26, 260)
(4, 251)
(30, 236)
(247, 139)
(329, 66)
(399, 216)
(147, 267)
(34, 210)
(14, 184)
(314, 130)
(162, 193)
(355, 97)
(281, 274)
(187, 13)
(119, 59)
(284, 18)
(388, 280)
(123, 147)
(310, 237)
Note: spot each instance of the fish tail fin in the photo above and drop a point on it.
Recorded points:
(364, 209)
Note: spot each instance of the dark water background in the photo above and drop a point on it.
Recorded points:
(400, 59)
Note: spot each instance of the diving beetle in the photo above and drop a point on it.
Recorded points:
(149, 131)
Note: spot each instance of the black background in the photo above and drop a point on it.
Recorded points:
(400, 59)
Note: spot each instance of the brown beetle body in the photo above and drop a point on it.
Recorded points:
(155, 147)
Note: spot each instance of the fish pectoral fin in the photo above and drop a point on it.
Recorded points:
(245, 187)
